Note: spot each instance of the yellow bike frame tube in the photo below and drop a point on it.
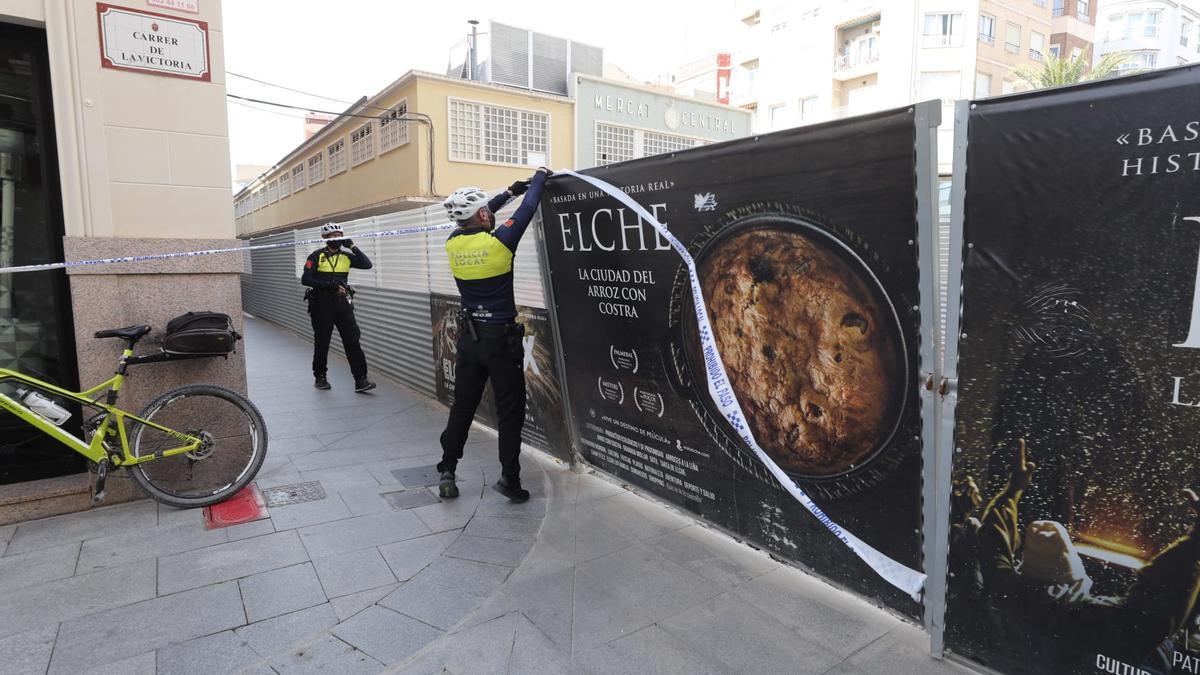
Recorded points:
(95, 450)
(49, 428)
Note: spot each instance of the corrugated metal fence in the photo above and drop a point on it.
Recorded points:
(392, 303)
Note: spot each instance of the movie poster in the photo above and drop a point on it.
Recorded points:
(805, 247)
(1073, 547)
(544, 425)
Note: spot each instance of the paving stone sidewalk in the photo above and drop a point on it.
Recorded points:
(381, 576)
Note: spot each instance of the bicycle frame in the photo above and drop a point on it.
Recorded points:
(113, 424)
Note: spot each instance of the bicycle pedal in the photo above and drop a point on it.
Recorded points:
(101, 475)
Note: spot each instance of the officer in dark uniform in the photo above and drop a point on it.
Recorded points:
(330, 303)
(489, 344)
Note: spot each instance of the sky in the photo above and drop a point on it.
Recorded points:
(345, 49)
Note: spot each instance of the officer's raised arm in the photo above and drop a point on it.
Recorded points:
(510, 231)
(358, 259)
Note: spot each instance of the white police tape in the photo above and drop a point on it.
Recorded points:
(908, 580)
(238, 249)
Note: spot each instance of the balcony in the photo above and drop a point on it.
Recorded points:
(856, 64)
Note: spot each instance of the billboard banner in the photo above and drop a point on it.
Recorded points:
(804, 249)
(1073, 545)
(544, 425)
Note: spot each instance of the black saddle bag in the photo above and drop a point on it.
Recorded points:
(200, 333)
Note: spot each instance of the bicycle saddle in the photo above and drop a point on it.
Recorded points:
(127, 333)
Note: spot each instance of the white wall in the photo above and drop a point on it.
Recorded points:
(140, 155)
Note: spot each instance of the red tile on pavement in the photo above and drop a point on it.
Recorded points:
(244, 507)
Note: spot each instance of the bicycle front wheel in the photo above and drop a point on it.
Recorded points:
(235, 444)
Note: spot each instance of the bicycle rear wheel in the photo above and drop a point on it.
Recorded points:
(235, 436)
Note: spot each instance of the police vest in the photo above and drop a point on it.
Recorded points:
(478, 256)
(338, 263)
(483, 271)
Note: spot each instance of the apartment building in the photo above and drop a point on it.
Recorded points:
(809, 61)
(1074, 29)
(1149, 33)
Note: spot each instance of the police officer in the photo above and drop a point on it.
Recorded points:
(326, 273)
(489, 344)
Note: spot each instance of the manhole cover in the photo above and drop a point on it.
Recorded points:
(410, 499)
(419, 476)
(297, 493)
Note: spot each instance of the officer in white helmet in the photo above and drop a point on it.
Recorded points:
(490, 339)
(330, 304)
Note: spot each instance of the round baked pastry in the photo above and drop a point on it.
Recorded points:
(812, 352)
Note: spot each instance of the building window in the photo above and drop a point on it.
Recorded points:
(393, 128)
(1040, 3)
(465, 131)
(1012, 38)
(257, 198)
(273, 191)
(943, 30)
(1143, 60)
(362, 144)
(987, 28)
(1037, 43)
(808, 108)
(1150, 24)
(1185, 31)
(1116, 28)
(983, 85)
(862, 50)
(337, 157)
(500, 135)
(1132, 25)
(1007, 87)
(285, 185)
(655, 143)
(775, 114)
(1083, 9)
(1060, 7)
(779, 26)
(1055, 50)
(535, 138)
(1076, 52)
(316, 168)
(613, 144)
(298, 177)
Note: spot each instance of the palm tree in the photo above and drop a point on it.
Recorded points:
(1057, 72)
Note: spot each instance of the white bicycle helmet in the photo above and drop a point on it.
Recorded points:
(464, 203)
(331, 228)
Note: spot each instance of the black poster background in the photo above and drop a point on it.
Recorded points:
(544, 425)
(1078, 278)
(639, 415)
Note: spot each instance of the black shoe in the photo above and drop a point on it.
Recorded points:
(321, 382)
(446, 488)
(363, 384)
(511, 488)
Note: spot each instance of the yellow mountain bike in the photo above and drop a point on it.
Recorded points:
(192, 446)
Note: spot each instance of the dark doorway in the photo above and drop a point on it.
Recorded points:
(36, 331)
